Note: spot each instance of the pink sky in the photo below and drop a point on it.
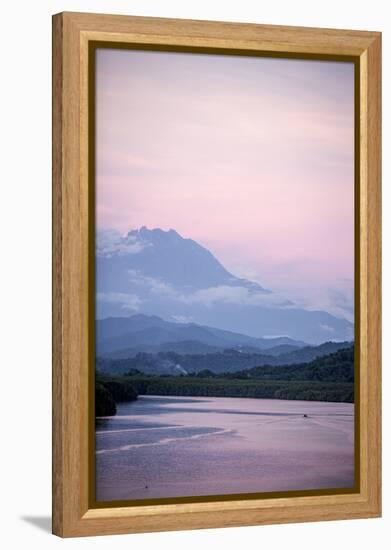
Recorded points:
(251, 157)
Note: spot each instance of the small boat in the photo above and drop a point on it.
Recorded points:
(305, 415)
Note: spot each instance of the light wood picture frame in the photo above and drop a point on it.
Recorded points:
(75, 35)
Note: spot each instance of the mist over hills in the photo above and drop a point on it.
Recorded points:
(126, 336)
(227, 361)
(154, 346)
(160, 273)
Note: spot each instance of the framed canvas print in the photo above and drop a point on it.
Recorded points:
(216, 274)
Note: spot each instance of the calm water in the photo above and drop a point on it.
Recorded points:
(160, 447)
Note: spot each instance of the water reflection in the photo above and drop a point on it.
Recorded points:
(160, 447)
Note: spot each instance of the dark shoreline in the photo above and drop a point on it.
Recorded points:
(329, 378)
(221, 387)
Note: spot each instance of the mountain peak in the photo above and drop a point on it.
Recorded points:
(145, 232)
(167, 258)
(156, 271)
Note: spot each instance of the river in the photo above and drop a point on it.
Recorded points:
(158, 447)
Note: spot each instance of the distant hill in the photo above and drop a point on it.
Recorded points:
(122, 337)
(308, 353)
(333, 367)
(229, 360)
(184, 347)
(194, 347)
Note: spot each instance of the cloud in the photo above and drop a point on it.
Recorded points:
(348, 332)
(127, 301)
(239, 295)
(338, 299)
(327, 328)
(182, 318)
(110, 242)
(153, 284)
(343, 298)
(225, 294)
(245, 272)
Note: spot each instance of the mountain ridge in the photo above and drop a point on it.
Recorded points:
(219, 362)
(161, 273)
(118, 333)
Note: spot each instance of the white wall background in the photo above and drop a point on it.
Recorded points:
(25, 273)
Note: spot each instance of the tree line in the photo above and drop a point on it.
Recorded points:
(327, 378)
